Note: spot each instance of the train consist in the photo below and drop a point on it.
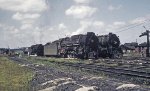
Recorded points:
(83, 46)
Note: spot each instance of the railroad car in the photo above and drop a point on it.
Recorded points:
(51, 49)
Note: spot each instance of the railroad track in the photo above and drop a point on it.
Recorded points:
(119, 71)
(102, 68)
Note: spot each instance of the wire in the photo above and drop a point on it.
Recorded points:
(128, 28)
(132, 26)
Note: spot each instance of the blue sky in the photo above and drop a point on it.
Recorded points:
(27, 22)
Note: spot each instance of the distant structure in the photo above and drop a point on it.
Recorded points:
(134, 49)
(4, 51)
(130, 49)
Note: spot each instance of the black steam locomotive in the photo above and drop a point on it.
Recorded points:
(80, 46)
(37, 50)
(85, 46)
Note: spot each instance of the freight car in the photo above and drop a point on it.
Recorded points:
(85, 46)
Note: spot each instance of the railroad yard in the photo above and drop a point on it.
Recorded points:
(74, 45)
(59, 74)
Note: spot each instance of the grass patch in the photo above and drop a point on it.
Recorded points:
(13, 77)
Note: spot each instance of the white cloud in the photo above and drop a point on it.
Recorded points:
(8, 34)
(139, 20)
(80, 11)
(62, 26)
(62, 29)
(24, 16)
(83, 26)
(88, 26)
(26, 26)
(82, 1)
(115, 26)
(112, 8)
(15, 30)
(26, 35)
(5, 27)
(26, 19)
(98, 24)
(55, 32)
(119, 23)
(23, 5)
(26, 12)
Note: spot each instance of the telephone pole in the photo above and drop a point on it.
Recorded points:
(146, 34)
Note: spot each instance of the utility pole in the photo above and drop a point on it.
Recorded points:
(146, 34)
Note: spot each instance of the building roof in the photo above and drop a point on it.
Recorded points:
(143, 44)
(129, 46)
(126, 47)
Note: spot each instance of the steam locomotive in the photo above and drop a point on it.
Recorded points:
(37, 50)
(85, 46)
